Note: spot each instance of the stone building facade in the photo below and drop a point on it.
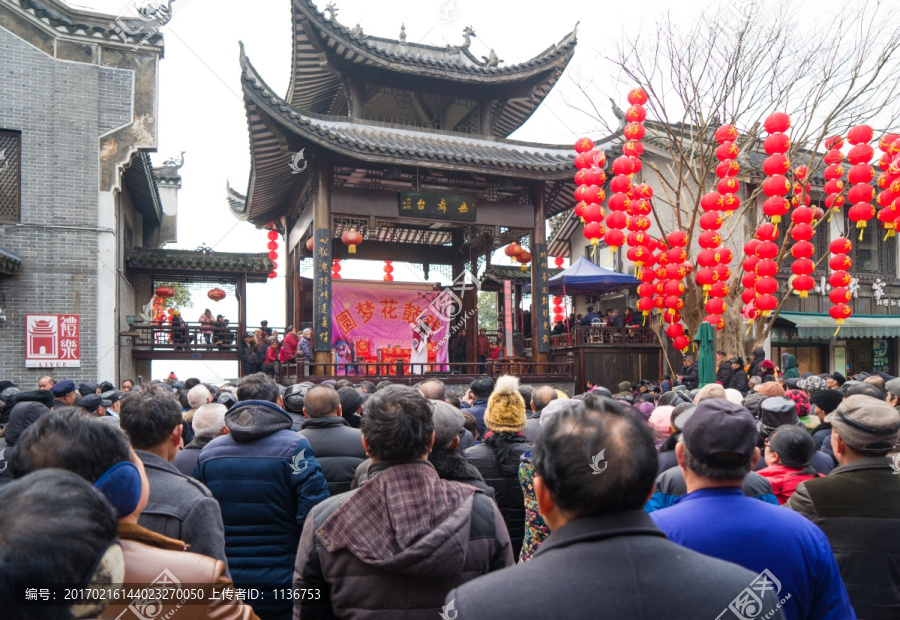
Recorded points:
(78, 111)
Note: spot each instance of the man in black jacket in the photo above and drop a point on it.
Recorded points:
(723, 369)
(604, 554)
(757, 357)
(689, 376)
(447, 461)
(336, 445)
(738, 380)
(858, 504)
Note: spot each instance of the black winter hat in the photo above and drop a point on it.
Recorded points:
(827, 400)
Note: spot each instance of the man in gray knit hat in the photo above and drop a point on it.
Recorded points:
(858, 504)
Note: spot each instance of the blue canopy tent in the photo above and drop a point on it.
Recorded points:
(585, 278)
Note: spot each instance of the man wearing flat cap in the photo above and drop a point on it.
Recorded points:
(718, 450)
(858, 504)
(64, 393)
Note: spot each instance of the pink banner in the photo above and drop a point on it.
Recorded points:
(368, 318)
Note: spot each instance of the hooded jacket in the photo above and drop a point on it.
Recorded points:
(23, 415)
(738, 381)
(784, 480)
(394, 547)
(790, 368)
(267, 481)
(758, 356)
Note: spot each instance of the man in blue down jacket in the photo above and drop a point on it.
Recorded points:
(267, 481)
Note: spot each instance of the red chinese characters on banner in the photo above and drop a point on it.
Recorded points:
(52, 341)
(346, 321)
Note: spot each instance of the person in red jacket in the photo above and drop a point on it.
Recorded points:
(288, 346)
(789, 451)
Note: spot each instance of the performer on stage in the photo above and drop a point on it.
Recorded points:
(419, 353)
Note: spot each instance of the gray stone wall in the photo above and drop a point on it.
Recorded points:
(61, 108)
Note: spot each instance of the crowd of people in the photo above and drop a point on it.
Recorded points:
(774, 499)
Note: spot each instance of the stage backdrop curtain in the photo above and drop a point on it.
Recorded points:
(372, 316)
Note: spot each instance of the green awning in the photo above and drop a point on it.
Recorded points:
(861, 326)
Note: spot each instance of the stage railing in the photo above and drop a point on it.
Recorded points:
(185, 337)
(595, 335)
(298, 372)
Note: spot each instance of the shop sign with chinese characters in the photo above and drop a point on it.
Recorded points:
(437, 206)
(52, 341)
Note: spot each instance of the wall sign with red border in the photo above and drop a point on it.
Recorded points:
(52, 341)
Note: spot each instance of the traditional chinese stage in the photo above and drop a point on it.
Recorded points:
(372, 323)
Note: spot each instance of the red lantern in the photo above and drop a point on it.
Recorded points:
(766, 286)
(715, 320)
(840, 278)
(802, 232)
(726, 133)
(841, 245)
(513, 250)
(272, 235)
(711, 201)
(524, 258)
(861, 134)
(637, 96)
(723, 271)
(767, 232)
(632, 148)
(309, 244)
(351, 239)
(766, 268)
(776, 164)
(388, 268)
(711, 220)
(803, 284)
(776, 207)
(726, 151)
(767, 249)
(776, 185)
(748, 295)
(646, 275)
(636, 114)
(727, 169)
(594, 231)
(634, 131)
(273, 255)
(273, 275)
(750, 311)
(720, 288)
(860, 154)
(840, 312)
(766, 303)
(861, 193)
(840, 262)
(165, 292)
(614, 238)
(583, 145)
(675, 330)
(272, 245)
(840, 295)
(706, 277)
(861, 173)
(677, 238)
(216, 294)
(834, 142)
(681, 343)
(623, 165)
(776, 143)
(558, 261)
(777, 122)
(803, 267)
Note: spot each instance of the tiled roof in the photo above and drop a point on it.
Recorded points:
(314, 86)
(141, 183)
(193, 260)
(511, 272)
(382, 142)
(77, 23)
(9, 263)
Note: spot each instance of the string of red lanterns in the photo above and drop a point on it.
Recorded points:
(589, 192)
(273, 251)
(388, 271)
(860, 176)
(889, 183)
(336, 269)
(558, 302)
(513, 250)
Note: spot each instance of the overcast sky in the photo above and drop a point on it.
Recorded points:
(201, 110)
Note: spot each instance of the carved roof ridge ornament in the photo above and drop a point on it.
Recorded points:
(175, 162)
(332, 10)
(403, 34)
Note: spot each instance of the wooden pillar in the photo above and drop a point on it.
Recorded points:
(484, 116)
(322, 270)
(294, 290)
(357, 91)
(241, 292)
(540, 289)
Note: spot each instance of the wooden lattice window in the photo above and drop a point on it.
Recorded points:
(10, 176)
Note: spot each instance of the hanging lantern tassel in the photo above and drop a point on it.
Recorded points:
(839, 322)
